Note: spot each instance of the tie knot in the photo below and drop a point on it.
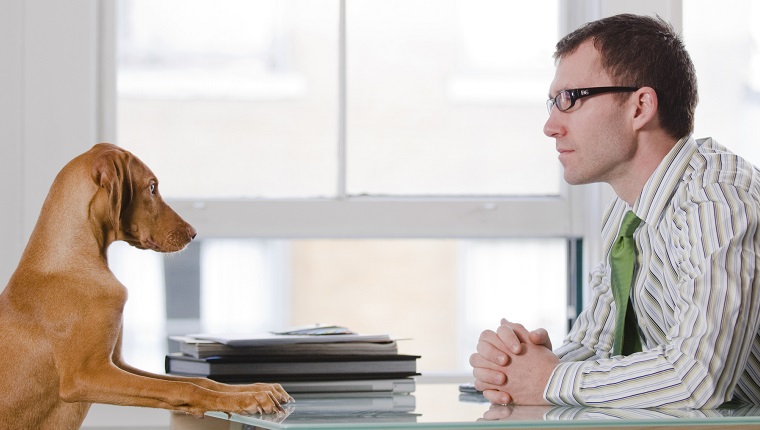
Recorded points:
(629, 224)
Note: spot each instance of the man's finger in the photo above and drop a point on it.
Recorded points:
(541, 337)
(497, 397)
(479, 360)
(493, 378)
(492, 348)
(511, 338)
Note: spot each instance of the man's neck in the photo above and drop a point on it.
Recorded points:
(652, 149)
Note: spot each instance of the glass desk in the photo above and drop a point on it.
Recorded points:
(441, 406)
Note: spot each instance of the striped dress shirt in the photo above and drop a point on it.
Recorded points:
(696, 293)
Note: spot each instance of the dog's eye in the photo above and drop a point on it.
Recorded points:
(153, 188)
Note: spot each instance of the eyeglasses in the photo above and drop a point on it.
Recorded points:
(565, 99)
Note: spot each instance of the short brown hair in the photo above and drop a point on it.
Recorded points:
(644, 51)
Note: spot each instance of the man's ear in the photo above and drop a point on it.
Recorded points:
(110, 171)
(646, 108)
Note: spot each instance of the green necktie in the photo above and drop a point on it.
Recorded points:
(622, 262)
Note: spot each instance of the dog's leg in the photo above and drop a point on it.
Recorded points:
(115, 386)
(276, 389)
(65, 416)
(88, 374)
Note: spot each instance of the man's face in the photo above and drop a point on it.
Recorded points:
(594, 138)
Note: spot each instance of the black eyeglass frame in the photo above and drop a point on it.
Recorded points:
(579, 93)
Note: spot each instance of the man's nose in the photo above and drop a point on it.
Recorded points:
(553, 126)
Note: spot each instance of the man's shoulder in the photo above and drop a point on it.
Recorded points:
(714, 164)
(703, 174)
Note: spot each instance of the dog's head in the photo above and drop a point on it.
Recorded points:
(136, 212)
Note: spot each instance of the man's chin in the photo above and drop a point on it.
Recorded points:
(574, 180)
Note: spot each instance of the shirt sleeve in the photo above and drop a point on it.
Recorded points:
(713, 302)
(592, 334)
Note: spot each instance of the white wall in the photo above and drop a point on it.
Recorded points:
(11, 116)
(47, 111)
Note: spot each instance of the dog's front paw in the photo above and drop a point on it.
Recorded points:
(261, 402)
(276, 389)
(241, 403)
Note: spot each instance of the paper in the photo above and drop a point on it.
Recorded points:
(273, 339)
(315, 330)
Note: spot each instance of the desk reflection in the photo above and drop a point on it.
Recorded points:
(567, 413)
(440, 406)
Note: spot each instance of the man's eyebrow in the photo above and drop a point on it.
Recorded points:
(565, 88)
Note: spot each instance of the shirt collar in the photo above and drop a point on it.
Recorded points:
(660, 187)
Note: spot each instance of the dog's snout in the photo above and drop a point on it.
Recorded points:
(191, 233)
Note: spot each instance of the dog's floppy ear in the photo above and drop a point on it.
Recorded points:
(110, 170)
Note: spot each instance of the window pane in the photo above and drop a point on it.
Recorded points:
(448, 97)
(726, 54)
(144, 342)
(241, 285)
(231, 98)
(438, 294)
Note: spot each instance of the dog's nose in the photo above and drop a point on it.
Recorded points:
(191, 233)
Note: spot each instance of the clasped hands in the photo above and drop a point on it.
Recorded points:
(513, 365)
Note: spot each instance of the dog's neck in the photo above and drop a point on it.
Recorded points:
(68, 230)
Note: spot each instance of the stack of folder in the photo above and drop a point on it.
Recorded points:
(310, 360)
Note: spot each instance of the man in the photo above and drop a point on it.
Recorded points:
(621, 111)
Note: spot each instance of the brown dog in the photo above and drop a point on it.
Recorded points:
(61, 313)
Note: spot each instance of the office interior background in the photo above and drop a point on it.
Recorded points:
(370, 163)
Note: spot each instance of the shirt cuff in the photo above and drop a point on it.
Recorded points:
(564, 384)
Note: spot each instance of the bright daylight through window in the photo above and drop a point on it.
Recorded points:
(245, 101)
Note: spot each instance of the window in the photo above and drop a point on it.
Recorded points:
(231, 97)
(439, 104)
(726, 54)
(375, 164)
